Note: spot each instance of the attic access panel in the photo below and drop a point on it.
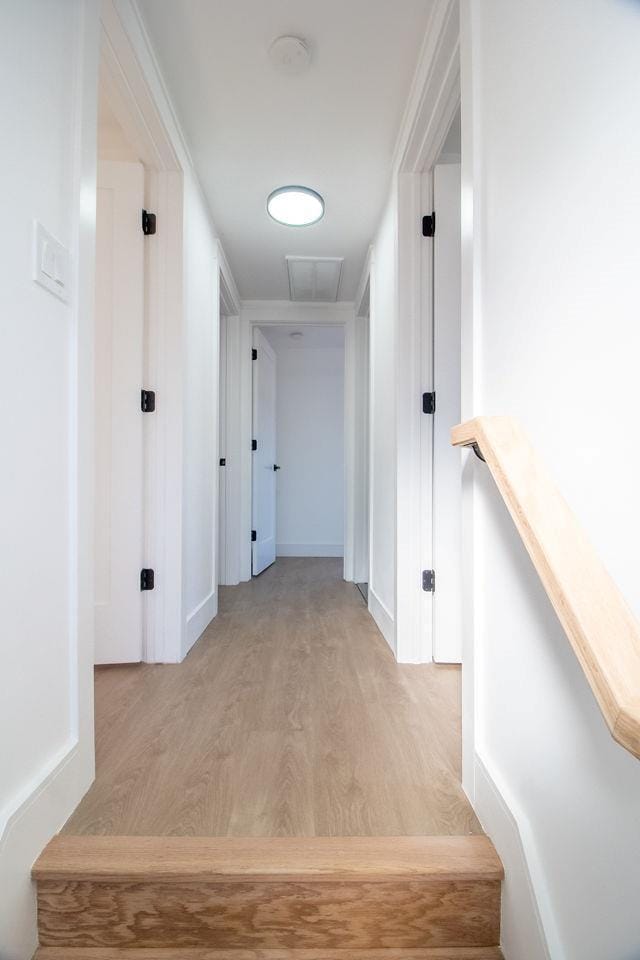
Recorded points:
(314, 278)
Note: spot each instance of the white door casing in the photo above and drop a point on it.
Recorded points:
(447, 464)
(264, 456)
(119, 356)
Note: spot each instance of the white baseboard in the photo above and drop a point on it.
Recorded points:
(199, 619)
(37, 818)
(309, 550)
(383, 618)
(523, 934)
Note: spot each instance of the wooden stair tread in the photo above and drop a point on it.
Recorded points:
(109, 953)
(268, 859)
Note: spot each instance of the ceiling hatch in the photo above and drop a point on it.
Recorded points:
(314, 278)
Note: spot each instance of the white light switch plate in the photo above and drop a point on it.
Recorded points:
(50, 262)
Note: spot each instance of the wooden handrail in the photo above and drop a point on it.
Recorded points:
(601, 628)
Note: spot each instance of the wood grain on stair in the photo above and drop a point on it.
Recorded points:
(243, 859)
(269, 893)
(318, 913)
(197, 953)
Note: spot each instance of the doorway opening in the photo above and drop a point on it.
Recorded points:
(297, 442)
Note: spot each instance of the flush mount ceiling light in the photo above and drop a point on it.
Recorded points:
(296, 335)
(295, 206)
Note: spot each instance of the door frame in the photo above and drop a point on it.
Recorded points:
(262, 346)
(228, 552)
(266, 313)
(434, 100)
(124, 85)
(357, 460)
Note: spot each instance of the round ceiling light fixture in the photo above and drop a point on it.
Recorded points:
(290, 55)
(295, 206)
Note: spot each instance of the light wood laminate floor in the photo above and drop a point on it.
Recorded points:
(289, 717)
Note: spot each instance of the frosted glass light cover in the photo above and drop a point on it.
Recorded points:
(295, 206)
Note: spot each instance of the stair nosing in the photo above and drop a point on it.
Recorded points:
(268, 859)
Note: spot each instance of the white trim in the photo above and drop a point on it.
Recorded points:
(128, 89)
(383, 618)
(522, 928)
(261, 313)
(363, 295)
(199, 619)
(267, 313)
(309, 550)
(230, 303)
(413, 432)
(164, 430)
(45, 804)
(432, 104)
(422, 131)
(357, 433)
(245, 377)
(350, 435)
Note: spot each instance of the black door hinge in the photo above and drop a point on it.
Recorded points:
(147, 579)
(223, 461)
(254, 353)
(147, 401)
(254, 536)
(429, 225)
(429, 402)
(254, 444)
(429, 580)
(148, 223)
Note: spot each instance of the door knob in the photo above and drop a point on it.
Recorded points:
(276, 467)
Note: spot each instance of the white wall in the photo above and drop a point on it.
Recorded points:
(310, 446)
(382, 342)
(48, 103)
(551, 154)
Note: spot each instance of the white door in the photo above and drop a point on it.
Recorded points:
(264, 455)
(118, 415)
(447, 468)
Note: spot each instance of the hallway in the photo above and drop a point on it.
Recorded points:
(290, 717)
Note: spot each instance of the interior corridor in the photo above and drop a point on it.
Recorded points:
(290, 717)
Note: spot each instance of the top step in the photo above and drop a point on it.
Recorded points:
(255, 859)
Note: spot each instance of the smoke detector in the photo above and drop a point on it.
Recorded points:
(290, 55)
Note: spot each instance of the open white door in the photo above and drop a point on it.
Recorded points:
(119, 441)
(447, 469)
(264, 455)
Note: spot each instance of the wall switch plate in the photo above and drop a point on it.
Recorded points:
(50, 262)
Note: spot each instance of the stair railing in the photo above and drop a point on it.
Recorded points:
(601, 628)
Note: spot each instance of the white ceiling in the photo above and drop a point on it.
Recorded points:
(330, 335)
(252, 129)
